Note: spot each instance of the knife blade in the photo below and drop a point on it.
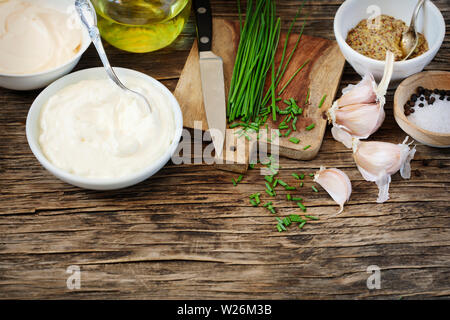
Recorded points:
(212, 78)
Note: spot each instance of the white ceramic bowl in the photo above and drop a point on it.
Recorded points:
(42, 79)
(430, 22)
(33, 131)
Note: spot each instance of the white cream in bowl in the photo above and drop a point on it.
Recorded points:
(94, 129)
(35, 38)
(90, 133)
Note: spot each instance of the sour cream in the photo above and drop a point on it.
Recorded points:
(34, 38)
(94, 129)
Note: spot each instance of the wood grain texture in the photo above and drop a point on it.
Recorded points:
(320, 76)
(188, 233)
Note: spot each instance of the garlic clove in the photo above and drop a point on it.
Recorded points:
(341, 135)
(336, 183)
(377, 161)
(363, 92)
(360, 120)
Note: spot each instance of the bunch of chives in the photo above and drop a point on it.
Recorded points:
(256, 52)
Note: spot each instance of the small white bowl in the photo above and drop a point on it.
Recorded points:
(42, 79)
(33, 131)
(430, 23)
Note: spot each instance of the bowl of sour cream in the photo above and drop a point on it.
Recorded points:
(88, 132)
(40, 41)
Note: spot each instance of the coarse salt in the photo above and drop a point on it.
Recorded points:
(432, 117)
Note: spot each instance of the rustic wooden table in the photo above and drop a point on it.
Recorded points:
(188, 233)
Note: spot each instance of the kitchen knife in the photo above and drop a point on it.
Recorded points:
(211, 72)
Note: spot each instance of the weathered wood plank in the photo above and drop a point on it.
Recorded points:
(188, 233)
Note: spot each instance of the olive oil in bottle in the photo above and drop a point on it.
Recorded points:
(141, 25)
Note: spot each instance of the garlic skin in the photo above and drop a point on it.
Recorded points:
(377, 161)
(360, 111)
(336, 183)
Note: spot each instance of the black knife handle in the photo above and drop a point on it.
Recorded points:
(203, 15)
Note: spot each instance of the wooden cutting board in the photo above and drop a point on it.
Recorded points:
(321, 76)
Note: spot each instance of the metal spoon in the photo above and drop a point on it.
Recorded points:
(89, 18)
(410, 38)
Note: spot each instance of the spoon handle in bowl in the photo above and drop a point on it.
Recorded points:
(88, 17)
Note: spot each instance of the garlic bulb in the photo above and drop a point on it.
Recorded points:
(336, 183)
(360, 110)
(377, 161)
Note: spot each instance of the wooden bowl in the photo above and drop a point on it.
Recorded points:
(428, 80)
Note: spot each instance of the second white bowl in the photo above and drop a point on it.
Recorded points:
(42, 79)
(33, 130)
(430, 22)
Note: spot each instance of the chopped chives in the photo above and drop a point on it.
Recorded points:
(288, 133)
(301, 206)
(296, 176)
(279, 228)
(289, 188)
(234, 182)
(288, 197)
(322, 101)
(282, 183)
(301, 184)
(294, 140)
(253, 203)
(307, 147)
(301, 224)
(311, 174)
(267, 204)
(302, 176)
(294, 124)
(307, 96)
(296, 218)
(269, 179)
(239, 179)
(287, 222)
(279, 220)
(269, 187)
(312, 217)
(311, 126)
(297, 199)
(315, 189)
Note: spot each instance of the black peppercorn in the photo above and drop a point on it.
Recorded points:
(420, 90)
(421, 105)
(432, 100)
(436, 91)
(414, 98)
(422, 98)
(412, 110)
(441, 97)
